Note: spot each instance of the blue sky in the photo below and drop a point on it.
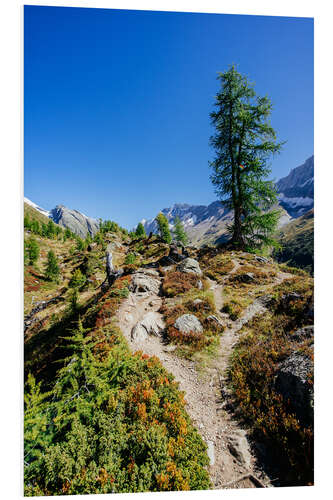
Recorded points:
(117, 103)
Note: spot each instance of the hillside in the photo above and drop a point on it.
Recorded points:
(33, 213)
(74, 220)
(296, 190)
(297, 240)
(151, 367)
(208, 224)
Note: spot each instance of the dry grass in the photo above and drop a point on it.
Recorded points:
(176, 283)
(265, 341)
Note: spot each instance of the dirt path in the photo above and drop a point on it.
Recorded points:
(206, 396)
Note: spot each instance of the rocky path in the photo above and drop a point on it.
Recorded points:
(206, 395)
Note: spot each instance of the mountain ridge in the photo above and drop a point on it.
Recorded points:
(208, 224)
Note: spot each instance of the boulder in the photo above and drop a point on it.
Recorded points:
(303, 333)
(244, 278)
(144, 283)
(151, 324)
(188, 323)
(239, 448)
(292, 382)
(263, 260)
(189, 265)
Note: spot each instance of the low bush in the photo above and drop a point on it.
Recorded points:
(176, 283)
(110, 426)
(266, 341)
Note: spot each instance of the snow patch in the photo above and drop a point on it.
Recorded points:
(41, 210)
(296, 202)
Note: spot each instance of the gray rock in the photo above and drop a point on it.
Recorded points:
(211, 452)
(258, 258)
(151, 324)
(244, 278)
(303, 333)
(144, 283)
(292, 382)
(239, 448)
(189, 265)
(188, 323)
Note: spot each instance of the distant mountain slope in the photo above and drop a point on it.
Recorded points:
(296, 189)
(76, 221)
(34, 213)
(44, 212)
(208, 224)
(297, 242)
(203, 224)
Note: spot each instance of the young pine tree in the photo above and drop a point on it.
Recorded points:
(140, 231)
(163, 227)
(243, 142)
(179, 231)
(52, 270)
(31, 251)
(78, 279)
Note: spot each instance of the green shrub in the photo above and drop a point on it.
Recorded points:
(52, 270)
(31, 250)
(130, 259)
(111, 424)
(78, 279)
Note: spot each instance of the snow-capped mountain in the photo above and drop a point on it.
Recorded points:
(41, 210)
(76, 221)
(296, 189)
(208, 224)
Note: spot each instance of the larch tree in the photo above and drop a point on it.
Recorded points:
(140, 231)
(179, 231)
(243, 142)
(163, 227)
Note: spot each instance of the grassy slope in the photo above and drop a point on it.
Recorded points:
(44, 343)
(297, 242)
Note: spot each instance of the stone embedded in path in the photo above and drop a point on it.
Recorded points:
(211, 452)
(239, 448)
(151, 324)
(188, 323)
(190, 266)
(143, 282)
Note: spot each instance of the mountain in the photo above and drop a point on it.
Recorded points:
(296, 189)
(36, 207)
(297, 240)
(208, 224)
(76, 221)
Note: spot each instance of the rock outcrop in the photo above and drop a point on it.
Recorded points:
(151, 324)
(293, 383)
(188, 323)
(189, 265)
(145, 281)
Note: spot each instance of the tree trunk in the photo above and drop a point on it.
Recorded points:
(237, 237)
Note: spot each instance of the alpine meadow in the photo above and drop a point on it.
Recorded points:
(171, 352)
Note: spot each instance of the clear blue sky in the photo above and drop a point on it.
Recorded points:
(117, 103)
